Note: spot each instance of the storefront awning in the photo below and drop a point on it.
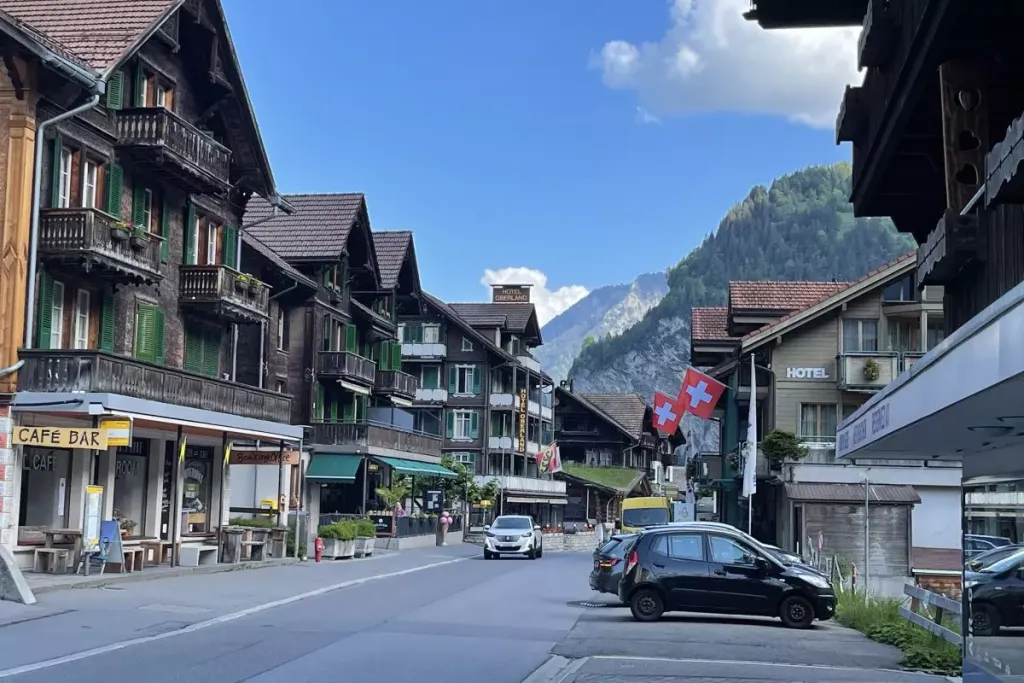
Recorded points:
(333, 468)
(414, 468)
(960, 399)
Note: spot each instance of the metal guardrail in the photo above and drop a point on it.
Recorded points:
(940, 604)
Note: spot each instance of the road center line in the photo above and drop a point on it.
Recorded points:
(216, 621)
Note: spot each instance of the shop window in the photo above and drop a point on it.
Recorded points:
(860, 335)
(818, 422)
(197, 490)
(45, 491)
(131, 486)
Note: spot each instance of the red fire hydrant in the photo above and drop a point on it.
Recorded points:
(318, 548)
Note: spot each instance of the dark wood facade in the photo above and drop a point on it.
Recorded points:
(142, 199)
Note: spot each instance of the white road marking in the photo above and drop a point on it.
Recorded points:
(216, 621)
(740, 662)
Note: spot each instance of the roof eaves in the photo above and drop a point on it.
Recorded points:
(450, 313)
(147, 34)
(872, 279)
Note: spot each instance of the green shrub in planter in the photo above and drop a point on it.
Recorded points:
(328, 532)
(346, 530)
(365, 528)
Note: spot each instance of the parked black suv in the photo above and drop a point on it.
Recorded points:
(609, 560)
(715, 570)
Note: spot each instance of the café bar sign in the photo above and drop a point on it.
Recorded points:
(61, 437)
(510, 294)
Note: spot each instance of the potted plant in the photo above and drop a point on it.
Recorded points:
(366, 537)
(780, 446)
(241, 282)
(254, 285)
(329, 533)
(119, 231)
(871, 370)
(347, 537)
(140, 238)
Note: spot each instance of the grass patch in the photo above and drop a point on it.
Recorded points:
(612, 477)
(879, 619)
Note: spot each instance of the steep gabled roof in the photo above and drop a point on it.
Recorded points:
(393, 247)
(878, 277)
(319, 228)
(627, 410)
(450, 313)
(709, 324)
(516, 318)
(779, 295)
(582, 400)
(269, 254)
(96, 34)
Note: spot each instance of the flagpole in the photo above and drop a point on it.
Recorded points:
(750, 463)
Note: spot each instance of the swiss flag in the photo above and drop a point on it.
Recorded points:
(667, 413)
(699, 393)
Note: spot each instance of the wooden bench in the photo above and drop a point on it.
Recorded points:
(134, 559)
(51, 560)
(196, 555)
(157, 552)
(256, 550)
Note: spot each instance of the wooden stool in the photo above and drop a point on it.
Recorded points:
(50, 560)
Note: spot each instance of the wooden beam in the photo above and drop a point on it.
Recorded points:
(965, 134)
(1003, 181)
(880, 36)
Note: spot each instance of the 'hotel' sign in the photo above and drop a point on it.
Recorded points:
(510, 294)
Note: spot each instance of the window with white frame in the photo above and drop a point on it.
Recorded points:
(147, 209)
(64, 179)
(57, 316)
(465, 379)
(161, 95)
(463, 424)
(211, 243)
(467, 345)
(818, 422)
(904, 335)
(90, 175)
(431, 334)
(82, 320)
(467, 459)
(860, 335)
(282, 329)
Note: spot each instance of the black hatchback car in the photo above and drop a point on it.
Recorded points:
(609, 560)
(718, 571)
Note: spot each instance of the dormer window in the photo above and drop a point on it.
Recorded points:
(152, 90)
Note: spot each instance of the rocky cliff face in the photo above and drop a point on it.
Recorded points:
(606, 311)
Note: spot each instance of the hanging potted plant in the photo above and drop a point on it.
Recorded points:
(119, 231)
(871, 370)
(140, 238)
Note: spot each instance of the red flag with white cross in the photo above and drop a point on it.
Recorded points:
(667, 413)
(699, 394)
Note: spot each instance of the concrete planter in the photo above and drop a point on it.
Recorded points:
(364, 546)
(338, 550)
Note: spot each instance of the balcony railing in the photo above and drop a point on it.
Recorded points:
(908, 360)
(421, 350)
(346, 365)
(374, 435)
(100, 244)
(205, 162)
(396, 382)
(91, 371)
(224, 291)
(867, 370)
(431, 395)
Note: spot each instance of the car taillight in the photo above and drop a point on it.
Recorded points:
(631, 561)
(607, 564)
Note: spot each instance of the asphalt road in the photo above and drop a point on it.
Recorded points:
(440, 615)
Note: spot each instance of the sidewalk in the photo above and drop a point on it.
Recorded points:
(71, 621)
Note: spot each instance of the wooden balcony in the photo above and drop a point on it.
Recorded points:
(91, 371)
(163, 141)
(347, 366)
(98, 246)
(223, 294)
(867, 371)
(396, 383)
(371, 435)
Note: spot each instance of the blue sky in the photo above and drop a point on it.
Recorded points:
(490, 129)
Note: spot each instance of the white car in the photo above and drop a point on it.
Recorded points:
(513, 535)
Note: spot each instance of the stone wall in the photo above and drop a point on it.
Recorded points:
(580, 541)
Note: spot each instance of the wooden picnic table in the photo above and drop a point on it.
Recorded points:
(74, 534)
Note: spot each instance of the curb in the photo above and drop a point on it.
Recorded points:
(555, 670)
(135, 577)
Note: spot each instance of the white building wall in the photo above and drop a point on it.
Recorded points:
(937, 519)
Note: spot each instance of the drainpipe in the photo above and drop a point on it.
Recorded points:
(98, 87)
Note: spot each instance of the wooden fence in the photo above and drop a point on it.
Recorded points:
(936, 608)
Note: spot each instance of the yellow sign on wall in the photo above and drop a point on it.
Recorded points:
(118, 429)
(61, 437)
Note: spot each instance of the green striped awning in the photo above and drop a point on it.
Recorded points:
(414, 468)
(336, 468)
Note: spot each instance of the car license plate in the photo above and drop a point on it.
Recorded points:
(509, 538)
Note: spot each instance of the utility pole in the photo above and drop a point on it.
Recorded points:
(867, 527)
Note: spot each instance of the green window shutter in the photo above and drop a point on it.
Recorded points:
(328, 324)
(107, 322)
(442, 335)
(349, 411)
(115, 186)
(351, 339)
(140, 83)
(165, 230)
(211, 352)
(139, 204)
(45, 298)
(58, 145)
(384, 356)
(453, 379)
(335, 400)
(450, 425)
(318, 403)
(343, 275)
(230, 247)
(145, 323)
(418, 334)
(115, 90)
(193, 350)
(474, 425)
(158, 337)
(189, 257)
(396, 356)
(477, 377)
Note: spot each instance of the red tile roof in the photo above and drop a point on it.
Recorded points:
(709, 324)
(892, 264)
(773, 295)
(94, 33)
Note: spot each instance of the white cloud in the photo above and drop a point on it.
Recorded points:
(548, 303)
(644, 117)
(712, 59)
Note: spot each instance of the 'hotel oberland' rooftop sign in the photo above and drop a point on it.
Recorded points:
(510, 294)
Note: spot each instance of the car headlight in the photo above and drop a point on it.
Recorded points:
(817, 581)
(490, 535)
(528, 534)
